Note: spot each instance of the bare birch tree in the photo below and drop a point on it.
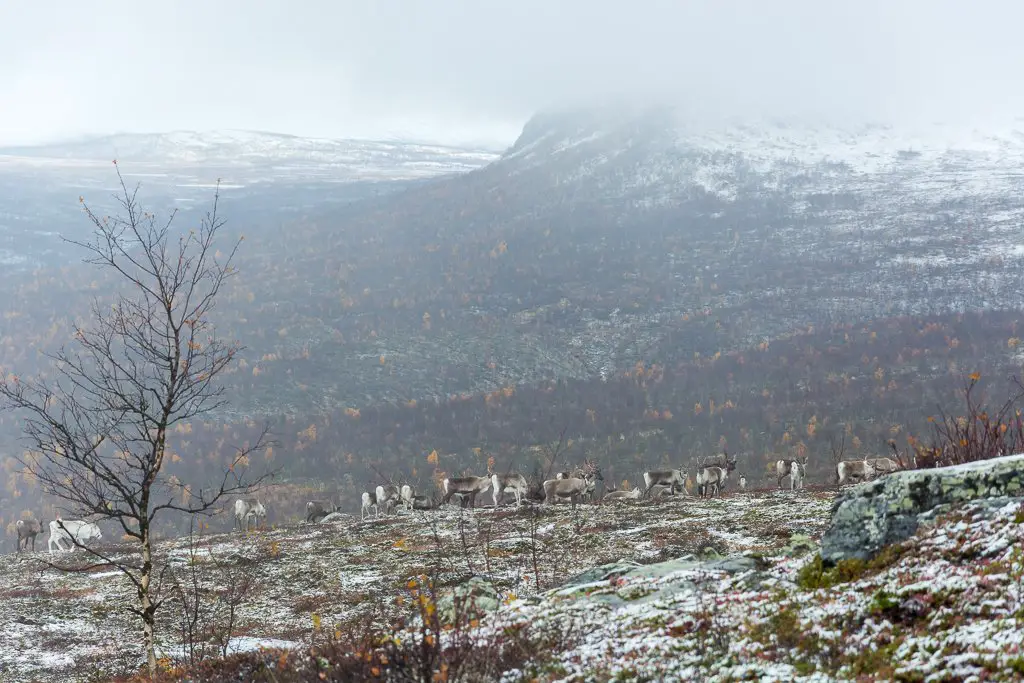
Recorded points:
(97, 422)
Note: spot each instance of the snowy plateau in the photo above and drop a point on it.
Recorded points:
(269, 176)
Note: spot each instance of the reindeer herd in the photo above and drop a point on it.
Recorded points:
(573, 486)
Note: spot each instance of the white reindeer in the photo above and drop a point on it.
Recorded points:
(467, 487)
(75, 531)
(504, 483)
(797, 474)
(743, 482)
(408, 496)
(369, 501)
(388, 498)
(246, 509)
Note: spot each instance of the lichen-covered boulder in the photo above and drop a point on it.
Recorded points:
(874, 514)
(471, 599)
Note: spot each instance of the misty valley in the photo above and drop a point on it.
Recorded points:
(634, 398)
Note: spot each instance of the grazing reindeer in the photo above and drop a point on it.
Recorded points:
(787, 469)
(714, 477)
(246, 508)
(387, 498)
(318, 509)
(574, 487)
(743, 482)
(369, 500)
(797, 474)
(408, 495)
(671, 478)
(503, 483)
(854, 470)
(71, 530)
(560, 489)
(28, 529)
(467, 487)
(589, 472)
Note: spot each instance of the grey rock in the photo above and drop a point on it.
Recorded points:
(335, 517)
(604, 572)
(470, 599)
(595, 585)
(799, 544)
(869, 516)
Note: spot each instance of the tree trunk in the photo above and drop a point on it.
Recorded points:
(146, 605)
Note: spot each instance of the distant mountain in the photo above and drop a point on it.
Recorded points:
(266, 178)
(296, 156)
(604, 237)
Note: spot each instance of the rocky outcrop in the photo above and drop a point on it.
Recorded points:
(872, 515)
(649, 582)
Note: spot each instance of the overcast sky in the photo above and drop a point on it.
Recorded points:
(474, 70)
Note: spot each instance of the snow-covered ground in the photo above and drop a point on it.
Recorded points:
(67, 625)
(946, 605)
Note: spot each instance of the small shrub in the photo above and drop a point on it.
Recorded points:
(814, 575)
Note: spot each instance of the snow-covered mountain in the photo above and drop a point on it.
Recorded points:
(668, 157)
(288, 155)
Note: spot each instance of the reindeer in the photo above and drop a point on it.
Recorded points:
(672, 478)
(854, 470)
(502, 483)
(369, 500)
(743, 482)
(468, 487)
(408, 495)
(589, 472)
(613, 496)
(714, 477)
(28, 529)
(388, 498)
(318, 509)
(75, 531)
(246, 508)
(883, 466)
(572, 488)
(784, 469)
(796, 476)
